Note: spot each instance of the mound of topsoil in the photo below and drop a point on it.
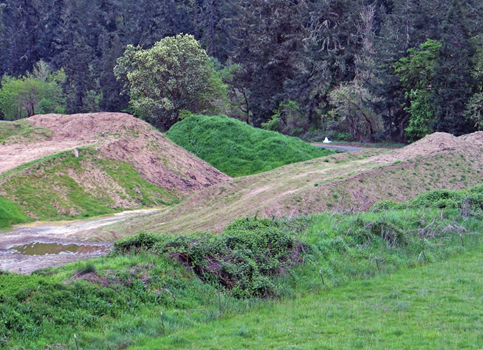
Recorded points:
(468, 145)
(103, 147)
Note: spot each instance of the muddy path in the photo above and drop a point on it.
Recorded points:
(27, 248)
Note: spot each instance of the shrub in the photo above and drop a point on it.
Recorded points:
(242, 259)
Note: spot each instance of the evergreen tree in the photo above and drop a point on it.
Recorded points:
(453, 81)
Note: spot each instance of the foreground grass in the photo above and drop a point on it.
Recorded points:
(438, 306)
(236, 148)
(321, 269)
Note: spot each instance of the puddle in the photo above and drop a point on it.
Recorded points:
(38, 248)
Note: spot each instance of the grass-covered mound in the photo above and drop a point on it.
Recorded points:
(11, 214)
(238, 149)
(117, 301)
(65, 186)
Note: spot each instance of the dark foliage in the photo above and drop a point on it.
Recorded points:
(286, 50)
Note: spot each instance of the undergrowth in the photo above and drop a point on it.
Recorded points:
(242, 260)
(117, 301)
(236, 148)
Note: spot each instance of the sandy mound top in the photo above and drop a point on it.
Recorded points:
(436, 143)
(117, 136)
(89, 126)
(475, 138)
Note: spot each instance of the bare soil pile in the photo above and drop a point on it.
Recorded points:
(468, 145)
(127, 165)
(344, 182)
(121, 137)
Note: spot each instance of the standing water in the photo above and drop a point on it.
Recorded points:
(38, 248)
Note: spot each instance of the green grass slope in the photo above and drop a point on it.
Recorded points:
(22, 132)
(63, 186)
(433, 307)
(238, 149)
(333, 280)
(11, 214)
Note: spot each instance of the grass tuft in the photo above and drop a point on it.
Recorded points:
(11, 214)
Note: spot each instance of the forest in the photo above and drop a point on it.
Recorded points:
(355, 70)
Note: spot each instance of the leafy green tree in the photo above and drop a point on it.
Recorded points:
(416, 73)
(474, 110)
(39, 92)
(175, 74)
(288, 119)
(351, 106)
(269, 38)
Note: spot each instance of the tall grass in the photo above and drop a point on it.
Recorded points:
(238, 149)
(192, 279)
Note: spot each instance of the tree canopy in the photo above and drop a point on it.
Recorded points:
(174, 75)
(310, 53)
(38, 92)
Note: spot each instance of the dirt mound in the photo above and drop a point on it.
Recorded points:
(475, 138)
(343, 182)
(118, 136)
(116, 143)
(89, 126)
(469, 145)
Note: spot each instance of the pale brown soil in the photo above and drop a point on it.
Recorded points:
(121, 137)
(468, 145)
(344, 182)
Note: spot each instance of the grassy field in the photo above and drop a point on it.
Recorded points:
(437, 306)
(236, 148)
(333, 279)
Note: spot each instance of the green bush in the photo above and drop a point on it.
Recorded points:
(238, 149)
(242, 259)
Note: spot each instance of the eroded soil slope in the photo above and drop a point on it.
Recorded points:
(111, 160)
(350, 181)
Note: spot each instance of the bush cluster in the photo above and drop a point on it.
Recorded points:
(243, 259)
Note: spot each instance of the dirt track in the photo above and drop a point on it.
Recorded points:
(57, 232)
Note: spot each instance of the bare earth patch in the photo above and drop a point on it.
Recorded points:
(72, 232)
(118, 136)
(344, 182)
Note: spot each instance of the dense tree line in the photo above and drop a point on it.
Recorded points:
(354, 68)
